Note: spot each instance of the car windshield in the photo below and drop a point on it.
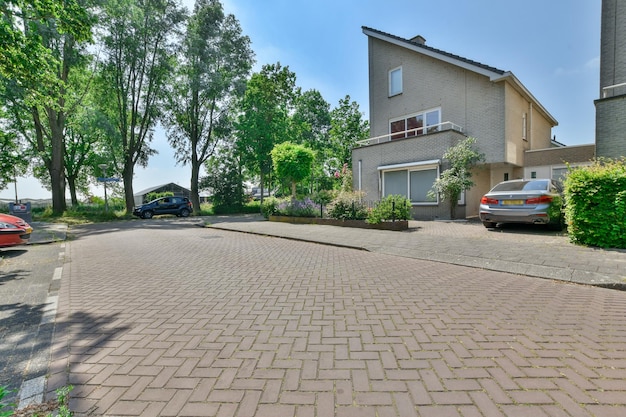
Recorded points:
(538, 185)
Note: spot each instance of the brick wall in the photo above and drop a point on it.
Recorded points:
(559, 156)
(467, 99)
(611, 127)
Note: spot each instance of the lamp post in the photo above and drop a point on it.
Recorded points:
(103, 167)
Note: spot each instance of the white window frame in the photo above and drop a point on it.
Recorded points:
(411, 167)
(424, 129)
(398, 88)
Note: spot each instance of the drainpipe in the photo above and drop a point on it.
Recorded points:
(530, 126)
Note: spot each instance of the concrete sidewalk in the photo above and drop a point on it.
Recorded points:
(517, 249)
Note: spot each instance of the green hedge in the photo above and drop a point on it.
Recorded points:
(392, 207)
(596, 204)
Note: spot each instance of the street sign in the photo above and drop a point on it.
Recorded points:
(102, 179)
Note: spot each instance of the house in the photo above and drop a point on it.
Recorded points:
(177, 190)
(611, 106)
(423, 101)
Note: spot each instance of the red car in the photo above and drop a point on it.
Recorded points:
(13, 231)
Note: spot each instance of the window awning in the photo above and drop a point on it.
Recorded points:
(409, 165)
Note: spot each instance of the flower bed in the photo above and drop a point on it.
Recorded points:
(398, 225)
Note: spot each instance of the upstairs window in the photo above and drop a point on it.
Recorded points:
(415, 124)
(395, 81)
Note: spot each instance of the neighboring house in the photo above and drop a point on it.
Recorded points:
(177, 190)
(611, 106)
(555, 162)
(423, 101)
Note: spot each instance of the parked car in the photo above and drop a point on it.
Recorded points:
(180, 206)
(13, 231)
(531, 201)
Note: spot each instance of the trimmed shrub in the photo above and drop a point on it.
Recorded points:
(595, 209)
(269, 206)
(347, 206)
(392, 207)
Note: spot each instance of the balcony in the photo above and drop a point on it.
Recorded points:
(411, 133)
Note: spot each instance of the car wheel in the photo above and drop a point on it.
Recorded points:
(184, 212)
(489, 225)
(147, 214)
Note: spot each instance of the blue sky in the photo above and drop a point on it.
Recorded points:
(551, 46)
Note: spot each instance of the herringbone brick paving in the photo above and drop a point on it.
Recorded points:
(203, 322)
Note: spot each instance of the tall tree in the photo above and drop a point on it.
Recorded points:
(25, 59)
(311, 124)
(50, 31)
(87, 134)
(265, 117)
(311, 120)
(292, 163)
(139, 43)
(215, 62)
(347, 127)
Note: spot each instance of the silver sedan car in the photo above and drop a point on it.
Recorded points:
(533, 201)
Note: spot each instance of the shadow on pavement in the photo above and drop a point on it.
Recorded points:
(11, 253)
(157, 223)
(528, 229)
(19, 331)
(13, 275)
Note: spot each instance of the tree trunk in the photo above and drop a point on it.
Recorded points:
(71, 184)
(261, 184)
(57, 162)
(195, 194)
(127, 176)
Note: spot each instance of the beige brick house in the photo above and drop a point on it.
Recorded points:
(424, 100)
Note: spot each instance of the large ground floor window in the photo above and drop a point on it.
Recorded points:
(413, 180)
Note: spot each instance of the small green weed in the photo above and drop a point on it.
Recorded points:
(6, 409)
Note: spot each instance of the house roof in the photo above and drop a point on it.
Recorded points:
(495, 75)
(168, 185)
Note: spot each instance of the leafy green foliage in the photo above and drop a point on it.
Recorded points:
(12, 162)
(225, 182)
(140, 49)
(596, 204)
(215, 61)
(292, 163)
(392, 207)
(25, 58)
(347, 127)
(154, 195)
(6, 409)
(264, 121)
(348, 206)
(63, 398)
(62, 403)
(457, 178)
(268, 206)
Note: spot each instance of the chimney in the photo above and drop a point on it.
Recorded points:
(418, 39)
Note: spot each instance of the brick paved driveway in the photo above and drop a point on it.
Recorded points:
(173, 319)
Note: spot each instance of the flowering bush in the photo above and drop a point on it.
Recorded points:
(290, 207)
(348, 206)
(299, 208)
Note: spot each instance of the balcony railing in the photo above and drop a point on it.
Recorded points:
(420, 131)
(605, 90)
